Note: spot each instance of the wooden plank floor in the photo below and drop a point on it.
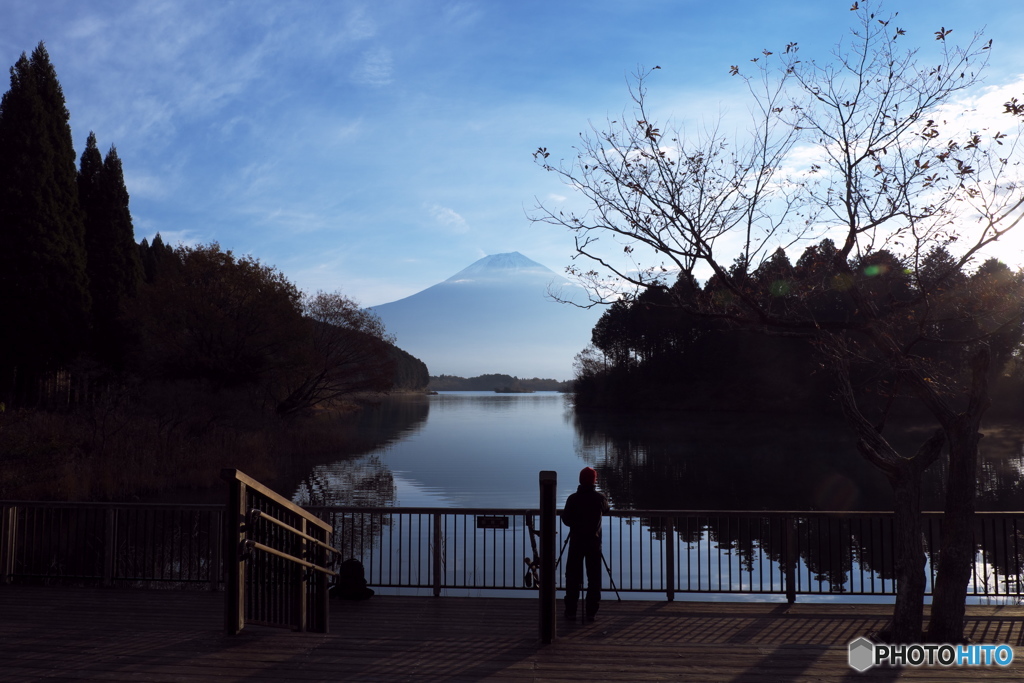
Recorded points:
(75, 634)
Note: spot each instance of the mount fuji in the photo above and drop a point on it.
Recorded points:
(495, 316)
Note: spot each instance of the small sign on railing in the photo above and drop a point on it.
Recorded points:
(491, 522)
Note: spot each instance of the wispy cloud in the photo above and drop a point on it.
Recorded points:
(359, 25)
(375, 68)
(462, 14)
(448, 218)
(148, 186)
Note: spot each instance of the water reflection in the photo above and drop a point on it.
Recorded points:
(758, 462)
(1001, 470)
(729, 462)
(744, 462)
(477, 449)
(356, 476)
(362, 482)
(485, 450)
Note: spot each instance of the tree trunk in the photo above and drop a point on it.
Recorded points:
(904, 475)
(909, 556)
(956, 548)
(956, 545)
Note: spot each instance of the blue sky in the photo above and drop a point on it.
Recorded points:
(379, 147)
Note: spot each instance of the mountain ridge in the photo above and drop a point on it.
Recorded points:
(496, 312)
(501, 264)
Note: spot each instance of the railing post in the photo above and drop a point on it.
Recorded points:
(548, 618)
(323, 588)
(216, 550)
(8, 542)
(670, 559)
(301, 610)
(234, 537)
(437, 555)
(109, 546)
(790, 558)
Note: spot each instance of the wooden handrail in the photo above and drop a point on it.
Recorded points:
(295, 598)
(260, 514)
(230, 475)
(290, 558)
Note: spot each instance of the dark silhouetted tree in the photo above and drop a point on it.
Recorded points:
(219, 319)
(235, 325)
(852, 148)
(155, 257)
(113, 263)
(411, 374)
(346, 351)
(44, 291)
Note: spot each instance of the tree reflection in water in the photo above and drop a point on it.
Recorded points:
(712, 462)
(359, 482)
(790, 462)
(356, 477)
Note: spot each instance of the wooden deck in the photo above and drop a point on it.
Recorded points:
(72, 634)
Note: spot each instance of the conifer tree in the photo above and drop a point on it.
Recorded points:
(146, 261)
(155, 257)
(44, 296)
(113, 264)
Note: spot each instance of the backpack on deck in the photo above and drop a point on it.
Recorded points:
(350, 584)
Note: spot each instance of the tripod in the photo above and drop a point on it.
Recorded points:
(607, 567)
(532, 577)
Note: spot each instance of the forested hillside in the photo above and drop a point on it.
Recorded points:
(496, 382)
(127, 367)
(676, 347)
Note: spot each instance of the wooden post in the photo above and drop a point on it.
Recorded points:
(301, 603)
(234, 538)
(216, 550)
(790, 557)
(109, 546)
(323, 586)
(548, 616)
(437, 554)
(8, 542)
(670, 560)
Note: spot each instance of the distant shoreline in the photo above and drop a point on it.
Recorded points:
(499, 383)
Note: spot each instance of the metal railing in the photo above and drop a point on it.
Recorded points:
(445, 550)
(669, 551)
(111, 543)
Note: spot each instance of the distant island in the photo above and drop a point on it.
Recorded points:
(502, 384)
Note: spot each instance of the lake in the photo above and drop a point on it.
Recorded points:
(481, 449)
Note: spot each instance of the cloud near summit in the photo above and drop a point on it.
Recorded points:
(449, 219)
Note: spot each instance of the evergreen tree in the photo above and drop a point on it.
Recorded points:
(113, 263)
(155, 258)
(44, 295)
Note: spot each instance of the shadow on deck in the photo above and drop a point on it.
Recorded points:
(151, 635)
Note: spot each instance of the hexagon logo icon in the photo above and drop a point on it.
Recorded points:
(862, 654)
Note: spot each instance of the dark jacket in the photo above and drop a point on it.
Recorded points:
(583, 512)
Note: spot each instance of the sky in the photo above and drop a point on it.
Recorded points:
(379, 147)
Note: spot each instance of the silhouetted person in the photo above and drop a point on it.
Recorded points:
(582, 514)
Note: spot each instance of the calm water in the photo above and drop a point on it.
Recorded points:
(480, 449)
(456, 449)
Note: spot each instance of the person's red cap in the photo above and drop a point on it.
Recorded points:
(588, 475)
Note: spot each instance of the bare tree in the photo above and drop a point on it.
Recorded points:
(865, 149)
(347, 351)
